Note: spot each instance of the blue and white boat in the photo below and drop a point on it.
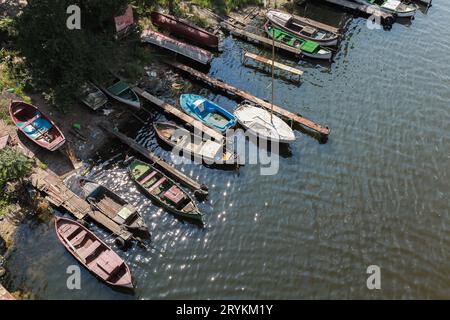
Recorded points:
(207, 112)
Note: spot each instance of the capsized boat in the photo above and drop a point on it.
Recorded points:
(36, 126)
(299, 27)
(396, 7)
(93, 253)
(210, 152)
(309, 49)
(164, 191)
(192, 52)
(114, 207)
(93, 97)
(262, 124)
(185, 29)
(207, 112)
(122, 92)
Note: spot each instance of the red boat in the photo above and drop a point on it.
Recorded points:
(93, 253)
(185, 29)
(36, 126)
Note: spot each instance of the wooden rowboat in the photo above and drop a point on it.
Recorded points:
(114, 207)
(93, 253)
(191, 145)
(207, 112)
(299, 27)
(262, 124)
(308, 48)
(187, 50)
(93, 97)
(36, 126)
(121, 91)
(185, 29)
(164, 191)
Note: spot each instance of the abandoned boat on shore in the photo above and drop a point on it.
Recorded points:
(114, 207)
(396, 7)
(192, 145)
(93, 253)
(299, 27)
(164, 191)
(263, 125)
(93, 97)
(308, 48)
(121, 91)
(192, 52)
(36, 126)
(207, 112)
(185, 29)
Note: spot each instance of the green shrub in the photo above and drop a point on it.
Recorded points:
(13, 166)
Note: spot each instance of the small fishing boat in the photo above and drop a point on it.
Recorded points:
(207, 112)
(93, 97)
(208, 151)
(185, 29)
(187, 50)
(93, 253)
(164, 191)
(113, 206)
(36, 126)
(299, 27)
(262, 124)
(121, 91)
(396, 7)
(308, 48)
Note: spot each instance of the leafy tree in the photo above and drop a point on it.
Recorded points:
(13, 165)
(59, 59)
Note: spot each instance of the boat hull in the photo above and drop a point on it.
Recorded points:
(196, 216)
(36, 126)
(185, 29)
(203, 109)
(275, 20)
(66, 227)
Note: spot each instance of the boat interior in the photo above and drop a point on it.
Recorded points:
(208, 111)
(159, 186)
(91, 251)
(122, 89)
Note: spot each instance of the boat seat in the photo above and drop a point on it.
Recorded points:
(174, 194)
(87, 252)
(68, 230)
(109, 263)
(157, 184)
(29, 122)
(147, 178)
(18, 111)
(78, 238)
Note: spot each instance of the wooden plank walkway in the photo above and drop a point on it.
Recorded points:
(289, 116)
(317, 24)
(386, 18)
(269, 62)
(60, 196)
(198, 188)
(254, 38)
(5, 295)
(181, 115)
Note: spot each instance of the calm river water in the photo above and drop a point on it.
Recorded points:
(377, 193)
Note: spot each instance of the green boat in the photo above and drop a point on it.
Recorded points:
(309, 49)
(164, 191)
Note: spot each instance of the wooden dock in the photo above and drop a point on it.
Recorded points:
(387, 19)
(269, 62)
(5, 295)
(180, 115)
(254, 38)
(198, 188)
(60, 196)
(232, 91)
(317, 24)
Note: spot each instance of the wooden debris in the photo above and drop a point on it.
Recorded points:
(249, 55)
